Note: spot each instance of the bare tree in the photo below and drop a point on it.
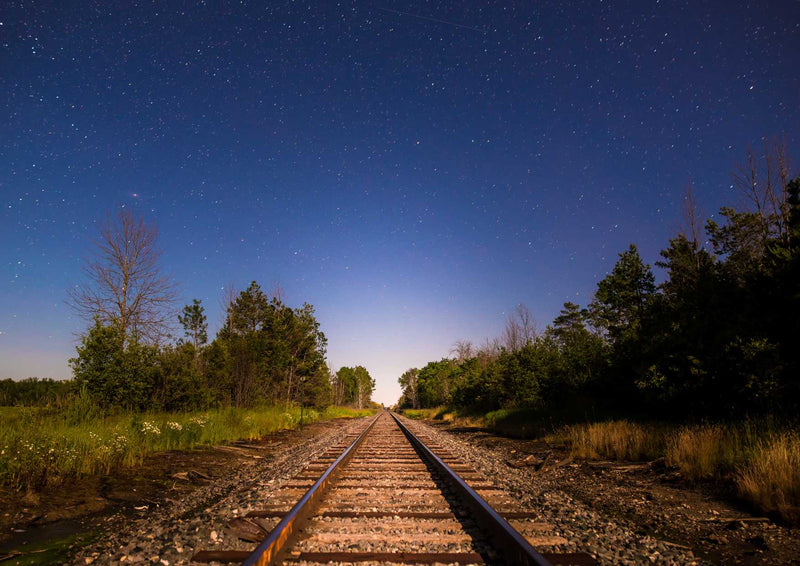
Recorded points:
(276, 292)
(229, 294)
(520, 329)
(488, 352)
(692, 218)
(463, 350)
(126, 285)
(763, 180)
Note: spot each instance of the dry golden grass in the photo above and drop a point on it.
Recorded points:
(704, 451)
(770, 480)
(617, 440)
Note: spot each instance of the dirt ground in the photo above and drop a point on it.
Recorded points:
(655, 500)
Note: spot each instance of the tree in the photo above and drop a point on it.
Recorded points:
(272, 351)
(520, 329)
(408, 381)
(248, 312)
(122, 377)
(582, 351)
(365, 385)
(126, 286)
(622, 296)
(621, 308)
(194, 323)
(463, 349)
(357, 385)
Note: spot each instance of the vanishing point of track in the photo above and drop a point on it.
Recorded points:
(386, 495)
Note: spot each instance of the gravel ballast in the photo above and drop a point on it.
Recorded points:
(172, 533)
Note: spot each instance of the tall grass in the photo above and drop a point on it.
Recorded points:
(713, 450)
(40, 447)
(422, 413)
(761, 459)
(618, 440)
(770, 479)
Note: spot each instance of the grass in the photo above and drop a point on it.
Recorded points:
(616, 440)
(42, 446)
(770, 478)
(761, 460)
(422, 413)
(448, 415)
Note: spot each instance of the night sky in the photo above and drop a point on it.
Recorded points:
(412, 169)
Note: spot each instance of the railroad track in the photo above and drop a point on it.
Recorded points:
(386, 495)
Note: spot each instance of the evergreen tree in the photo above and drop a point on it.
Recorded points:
(195, 325)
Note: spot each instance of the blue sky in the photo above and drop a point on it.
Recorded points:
(413, 170)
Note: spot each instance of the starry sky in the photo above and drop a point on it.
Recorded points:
(412, 169)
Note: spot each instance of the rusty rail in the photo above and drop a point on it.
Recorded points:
(510, 544)
(513, 545)
(274, 546)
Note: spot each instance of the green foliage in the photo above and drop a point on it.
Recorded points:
(271, 352)
(717, 338)
(622, 297)
(265, 352)
(195, 325)
(353, 386)
(33, 391)
(115, 371)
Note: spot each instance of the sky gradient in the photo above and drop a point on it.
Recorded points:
(413, 170)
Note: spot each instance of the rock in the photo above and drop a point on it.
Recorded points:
(715, 538)
(759, 542)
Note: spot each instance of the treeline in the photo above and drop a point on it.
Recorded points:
(718, 338)
(265, 352)
(32, 391)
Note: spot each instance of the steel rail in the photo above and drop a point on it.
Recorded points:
(277, 542)
(507, 540)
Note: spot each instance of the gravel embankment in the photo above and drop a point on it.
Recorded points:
(172, 533)
(609, 541)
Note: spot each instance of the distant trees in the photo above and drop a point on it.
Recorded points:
(32, 391)
(353, 386)
(717, 338)
(126, 287)
(264, 352)
(409, 382)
